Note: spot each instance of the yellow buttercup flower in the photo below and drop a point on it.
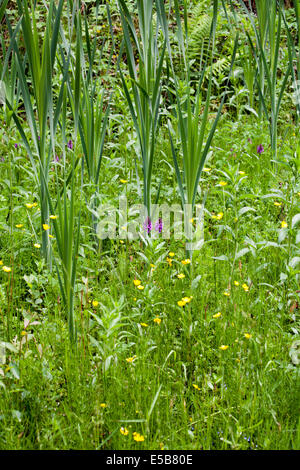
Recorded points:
(171, 254)
(184, 301)
(219, 216)
(278, 204)
(227, 294)
(181, 276)
(247, 335)
(223, 347)
(37, 245)
(144, 324)
(223, 183)
(217, 315)
(123, 181)
(245, 287)
(141, 287)
(130, 359)
(169, 261)
(24, 333)
(207, 170)
(1, 262)
(186, 261)
(284, 224)
(6, 269)
(157, 320)
(53, 217)
(196, 386)
(242, 173)
(29, 205)
(138, 437)
(46, 226)
(236, 283)
(136, 282)
(124, 431)
(103, 405)
(19, 225)
(95, 303)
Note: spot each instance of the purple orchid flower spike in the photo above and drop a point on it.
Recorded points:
(70, 144)
(159, 225)
(260, 149)
(148, 225)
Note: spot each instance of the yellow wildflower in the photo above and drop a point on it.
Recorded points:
(247, 335)
(136, 282)
(171, 254)
(181, 303)
(157, 320)
(19, 225)
(245, 287)
(23, 333)
(6, 269)
(242, 173)
(37, 245)
(46, 226)
(169, 260)
(138, 437)
(196, 387)
(95, 303)
(223, 183)
(1, 262)
(144, 324)
(223, 347)
(29, 205)
(123, 181)
(217, 315)
(186, 261)
(180, 276)
(103, 405)
(53, 217)
(124, 431)
(130, 359)
(278, 204)
(207, 170)
(236, 283)
(140, 287)
(227, 294)
(284, 224)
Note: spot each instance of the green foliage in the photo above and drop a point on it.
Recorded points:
(127, 344)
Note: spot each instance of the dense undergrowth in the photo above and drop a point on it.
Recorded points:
(166, 350)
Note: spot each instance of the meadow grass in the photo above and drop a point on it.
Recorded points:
(165, 352)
